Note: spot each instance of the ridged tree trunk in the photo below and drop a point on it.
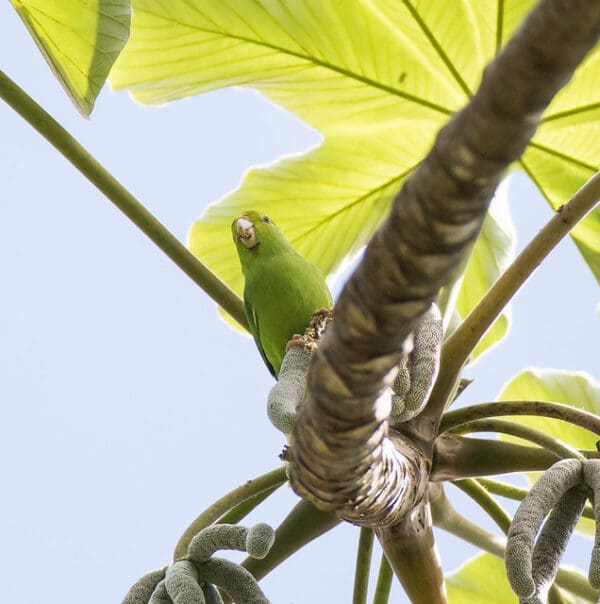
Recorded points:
(344, 456)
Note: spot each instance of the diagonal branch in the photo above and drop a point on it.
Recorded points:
(99, 176)
(460, 344)
(342, 456)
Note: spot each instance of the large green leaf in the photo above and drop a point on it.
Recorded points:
(492, 254)
(80, 39)
(481, 579)
(377, 78)
(575, 389)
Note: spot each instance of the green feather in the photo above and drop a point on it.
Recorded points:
(282, 290)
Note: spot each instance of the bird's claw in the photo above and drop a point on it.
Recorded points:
(297, 340)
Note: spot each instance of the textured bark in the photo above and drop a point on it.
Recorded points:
(342, 456)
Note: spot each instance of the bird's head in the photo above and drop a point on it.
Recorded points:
(250, 229)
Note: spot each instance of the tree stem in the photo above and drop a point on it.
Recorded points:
(64, 142)
(410, 549)
(363, 566)
(518, 494)
(384, 582)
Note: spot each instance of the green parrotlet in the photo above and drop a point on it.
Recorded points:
(282, 290)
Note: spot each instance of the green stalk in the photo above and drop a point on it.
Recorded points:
(573, 415)
(242, 493)
(486, 502)
(384, 582)
(66, 144)
(363, 566)
(241, 510)
(503, 489)
(560, 449)
(302, 525)
(518, 494)
(457, 348)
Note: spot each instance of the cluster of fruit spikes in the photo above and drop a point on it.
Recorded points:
(411, 387)
(195, 579)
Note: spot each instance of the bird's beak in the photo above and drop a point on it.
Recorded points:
(245, 230)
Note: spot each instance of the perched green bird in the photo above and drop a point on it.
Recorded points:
(282, 290)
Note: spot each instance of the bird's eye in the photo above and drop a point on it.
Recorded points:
(266, 219)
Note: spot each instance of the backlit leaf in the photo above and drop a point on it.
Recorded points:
(80, 39)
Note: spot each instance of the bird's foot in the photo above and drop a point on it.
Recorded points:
(297, 340)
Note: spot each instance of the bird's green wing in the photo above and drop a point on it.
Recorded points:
(255, 329)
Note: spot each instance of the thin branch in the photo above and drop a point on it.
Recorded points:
(560, 449)
(566, 413)
(457, 348)
(487, 503)
(518, 494)
(242, 493)
(384, 582)
(460, 457)
(363, 566)
(301, 526)
(447, 518)
(57, 136)
(241, 510)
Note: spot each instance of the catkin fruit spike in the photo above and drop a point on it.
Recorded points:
(532, 600)
(215, 537)
(289, 391)
(234, 579)
(259, 540)
(182, 583)
(591, 472)
(160, 595)
(543, 497)
(418, 370)
(142, 589)
(554, 537)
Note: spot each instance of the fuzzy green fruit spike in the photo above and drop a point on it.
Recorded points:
(282, 290)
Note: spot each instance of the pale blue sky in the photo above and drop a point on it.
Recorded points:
(128, 406)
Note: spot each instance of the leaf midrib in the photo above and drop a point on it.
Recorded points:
(354, 202)
(315, 61)
(438, 48)
(563, 156)
(571, 112)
